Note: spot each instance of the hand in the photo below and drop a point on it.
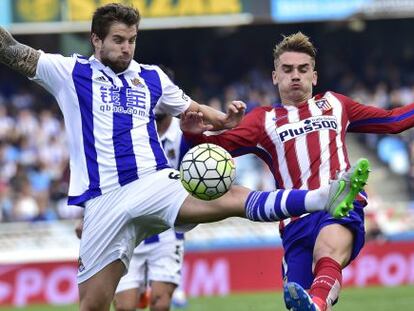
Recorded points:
(192, 122)
(235, 113)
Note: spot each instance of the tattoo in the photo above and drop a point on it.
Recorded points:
(17, 56)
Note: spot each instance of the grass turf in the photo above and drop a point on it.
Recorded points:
(355, 299)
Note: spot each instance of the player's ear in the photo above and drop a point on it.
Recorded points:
(96, 42)
(274, 77)
(315, 78)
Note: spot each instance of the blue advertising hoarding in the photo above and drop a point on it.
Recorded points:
(5, 12)
(315, 10)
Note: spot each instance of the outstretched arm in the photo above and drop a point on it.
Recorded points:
(17, 56)
(370, 119)
(240, 140)
(205, 118)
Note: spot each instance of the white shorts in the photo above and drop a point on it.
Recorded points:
(116, 222)
(158, 261)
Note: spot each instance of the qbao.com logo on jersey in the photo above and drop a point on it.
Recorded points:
(124, 100)
(303, 127)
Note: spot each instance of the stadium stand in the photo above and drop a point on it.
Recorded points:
(34, 156)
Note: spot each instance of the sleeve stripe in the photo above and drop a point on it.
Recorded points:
(382, 120)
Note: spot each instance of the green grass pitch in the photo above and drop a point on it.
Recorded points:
(355, 299)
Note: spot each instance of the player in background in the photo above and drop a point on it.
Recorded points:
(302, 139)
(158, 259)
(119, 172)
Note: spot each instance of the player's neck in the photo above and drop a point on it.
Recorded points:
(96, 55)
(295, 101)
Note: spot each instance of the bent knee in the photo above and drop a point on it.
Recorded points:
(341, 254)
(336, 242)
(160, 303)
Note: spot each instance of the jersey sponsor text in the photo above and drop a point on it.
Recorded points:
(303, 127)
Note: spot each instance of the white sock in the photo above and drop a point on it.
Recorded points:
(317, 199)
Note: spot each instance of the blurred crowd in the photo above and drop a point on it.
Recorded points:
(223, 64)
(33, 160)
(34, 153)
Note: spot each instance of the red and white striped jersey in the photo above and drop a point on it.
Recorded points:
(304, 145)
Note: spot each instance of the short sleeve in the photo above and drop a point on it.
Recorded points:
(53, 70)
(173, 99)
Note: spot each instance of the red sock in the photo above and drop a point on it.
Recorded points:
(327, 282)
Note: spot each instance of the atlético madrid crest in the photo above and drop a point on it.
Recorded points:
(323, 104)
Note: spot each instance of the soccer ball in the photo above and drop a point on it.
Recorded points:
(207, 171)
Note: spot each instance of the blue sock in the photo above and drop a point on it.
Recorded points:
(276, 205)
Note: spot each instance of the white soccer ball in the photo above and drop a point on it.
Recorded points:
(207, 171)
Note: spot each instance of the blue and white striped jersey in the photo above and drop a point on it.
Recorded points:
(109, 120)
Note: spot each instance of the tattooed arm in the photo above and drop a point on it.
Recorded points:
(17, 56)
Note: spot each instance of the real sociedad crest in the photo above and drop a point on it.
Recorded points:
(323, 104)
(136, 82)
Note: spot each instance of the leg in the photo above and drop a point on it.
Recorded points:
(325, 236)
(126, 300)
(164, 270)
(161, 294)
(334, 241)
(97, 292)
(333, 250)
(337, 199)
(229, 205)
(158, 261)
(337, 242)
(131, 288)
(333, 246)
(108, 240)
(254, 205)
(298, 241)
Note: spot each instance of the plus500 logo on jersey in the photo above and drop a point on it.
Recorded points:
(303, 127)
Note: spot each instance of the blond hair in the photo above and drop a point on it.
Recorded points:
(297, 42)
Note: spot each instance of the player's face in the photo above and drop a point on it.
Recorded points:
(116, 50)
(295, 77)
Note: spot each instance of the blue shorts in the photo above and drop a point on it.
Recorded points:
(299, 239)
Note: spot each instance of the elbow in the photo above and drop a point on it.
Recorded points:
(398, 130)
